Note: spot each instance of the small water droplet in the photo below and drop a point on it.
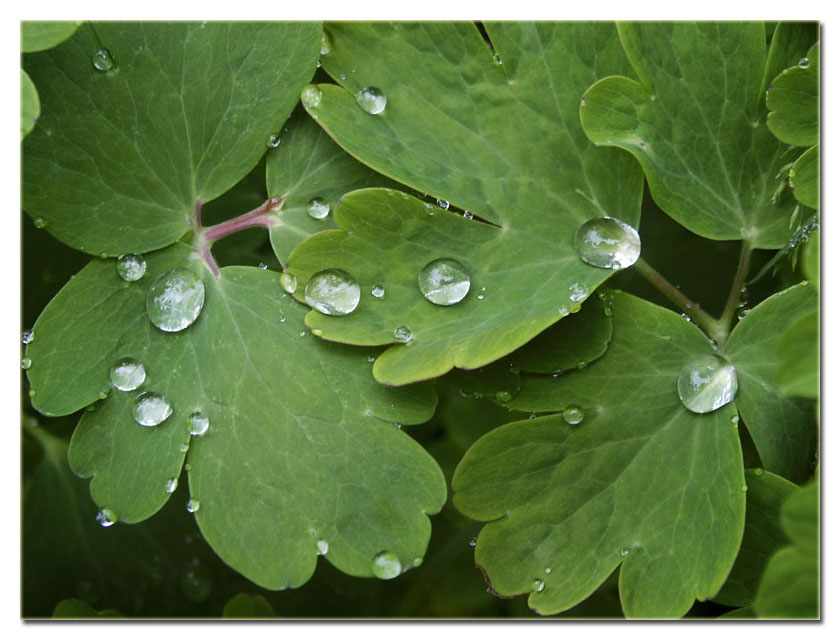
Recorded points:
(318, 208)
(323, 547)
(282, 319)
(288, 282)
(707, 383)
(326, 43)
(608, 243)
(39, 223)
(547, 570)
(386, 565)
(573, 414)
(418, 560)
(804, 63)
(274, 141)
(398, 425)
(183, 449)
(557, 373)
(371, 100)
(538, 585)
(377, 291)
(443, 204)
(193, 505)
(26, 363)
(625, 553)
(468, 215)
(27, 336)
(302, 333)
(127, 374)
(175, 299)
(262, 266)
(131, 267)
(532, 415)
(310, 96)
(735, 420)
(473, 541)
(171, 485)
(150, 409)
(444, 282)
(403, 334)
(371, 359)
(742, 312)
(744, 488)
(103, 61)
(333, 292)
(199, 423)
(107, 517)
(758, 472)
(578, 292)
(497, 58)
(503, 396)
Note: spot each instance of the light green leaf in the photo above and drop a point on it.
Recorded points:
(301, 445)
(805, 178)
(811, 259)
(694, 121)
(794, 102)
(77, 609)
(246, 605)
(798, 357)
(121, 156)
(37, 35)
(30, 105)
(782, 427)
(641, 482)
(787, 42)
(446, 132)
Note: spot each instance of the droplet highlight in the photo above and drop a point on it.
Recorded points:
(318, 208)
(175, 300)
(707, 383)
(444, 282)
(608, 243)
(326, 43)
(804, 63)
(127, 374)
(386, 565)
(199, 423)
(333, 292)
(371, 100)
(151, 409)
(131, 267)
(26, 363)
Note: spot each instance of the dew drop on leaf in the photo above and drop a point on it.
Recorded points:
(171, 485)
(193, 505)
(377, 291)
(538, 585)
(288, 282)
(386, 565)
(333, 292)
(707, 383)
(26, 363)
(27, 337)
(547, 570)
(371, 100)
(443, 204)
(39, 223)
(326, 43)
(151, 408)
(131, 267)
(106, 517)
(323, 547)
(573, 414)
(608, 243)
(804, 63)
(578, 292)
(127, 374)
(444, 282)
(175, 299)
(310, 96)
(473, 541)
(199, 423)
(318, 208)
(403, 334)
(103, 61)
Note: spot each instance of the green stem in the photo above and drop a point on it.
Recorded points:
(737, 285)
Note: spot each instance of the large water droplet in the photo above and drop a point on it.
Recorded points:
(403, 334)
(288, 282)
(199, 423)
(333, 292)
(573, 414)
(310, 96)
(707, 383)
(107, 517)
(175, 299)
(578, 292)
(323, 547)
(150, 409)
(103, 61)
(371, 100)
(318, 208)
(127, 374)
(444, 281)
(386, 565)
(131, 267)
(608, 243)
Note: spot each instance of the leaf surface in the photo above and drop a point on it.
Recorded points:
(794, 102)
(30, 105)
(301, 445)
(446, 132)
(121, 156)
(641, 482)
(37, 35)
(805, 177)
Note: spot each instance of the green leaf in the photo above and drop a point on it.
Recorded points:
(121, 157)
(78, 609)
(794, 102)
(445, 133)
(805, 178)
(694, 121)
(641, 482)
(246, 605)
(301, 443)
(763, 534)
(790, 587)
(782, 427)
(811, 259)
(787, 42)
(30, 106)
(798, 356)
(43, 34)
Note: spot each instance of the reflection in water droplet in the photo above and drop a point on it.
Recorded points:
(573, 414)
(193, 505)
(578, 292)
(371, 100)
(707, 383)
(403, 334)
(444, 281)
(537, 585)
(199, 423)
(127, 374)
(323, 547)
(377, 291)
(318, 208)
(106, 517)
(608, 243)
(310, 96)
(333, 292)
(171, 485)
(326, 43)
(131, 267)
(27, 337)
(175, 299)
(26, 363)
(103, 61)
(150, 409)
(386, 565)
(288, 282)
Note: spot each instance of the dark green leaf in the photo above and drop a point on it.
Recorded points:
(794, 102)
(246, 605)
(805, 178)
(811, 259)
(78, 609)
(641, 482)
(798, 354)
(37, 35)
(30, 106)
(788, 41)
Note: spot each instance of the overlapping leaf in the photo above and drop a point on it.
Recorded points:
(641, 482)
(301, 445)
(502, 141)
(37, 35)
(182, 114)
(30, 105)
(695, 122)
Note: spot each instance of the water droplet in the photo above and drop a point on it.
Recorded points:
(403, 334)
(26, 363)
(804, 63)
(557, 373)
(302, 333)
(503, 396)
(497, 58)
(758, 472)
(578, 292)
(288, 282)
(473, 541)
(175, 300)
(282, 319)
(707, 383)
(608, 243)
(274, 141)
(547, 570)
(103, 61)
(107, 517)
(370, 359)
(538, 585)
(377, 291)
(171, 485)
(27, 336)
(150, 409)
(371, 100)
(468, 215)
(318, 208)
(323, 547)
(127, 374)
(744, 488)
(444, 281)
(310, 96)
(532, 415)
(443, 204)
(39, 223)
(262, 266)
(398, 425)
(333, 292)
(183, 449)
(386, 565)
(417, 561)
(742, 312)
(625, 553)
(131, 267)
(326, 43)
(573, 414)
(735, 420)
(193, 505)
(199, 423)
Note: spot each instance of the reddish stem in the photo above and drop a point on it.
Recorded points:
(257, 218)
